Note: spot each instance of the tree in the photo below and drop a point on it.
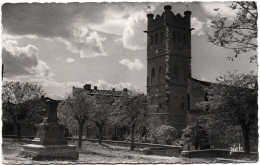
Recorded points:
(132, 111)
(22, 104)
(75, 109)
(100, 115)
(195, 134)
(233, 101)
(230, 134)
(238, 34)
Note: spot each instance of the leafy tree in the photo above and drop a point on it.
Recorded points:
(195, 134)
(132, 112)
(238, 34)
(233, 101)
(76, 108)
(100, 115)
(230, 134)
(22, 104)
(164, 134)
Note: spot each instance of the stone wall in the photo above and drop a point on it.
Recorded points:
(147, 148)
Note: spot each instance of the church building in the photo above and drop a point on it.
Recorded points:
(169, 81)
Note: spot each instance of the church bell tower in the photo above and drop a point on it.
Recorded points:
(168, 65)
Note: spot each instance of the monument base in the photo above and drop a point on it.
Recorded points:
(40, 152)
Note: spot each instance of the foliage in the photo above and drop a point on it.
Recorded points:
(100, 115)
(239, 33)
(230, 134)
(22, 104)
(164, 134)
(76, 109)
(195, 134)
(233, 101)
(133, 112)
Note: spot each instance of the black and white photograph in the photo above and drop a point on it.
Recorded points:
(129, 82)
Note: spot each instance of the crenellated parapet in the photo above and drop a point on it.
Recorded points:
(169, 18)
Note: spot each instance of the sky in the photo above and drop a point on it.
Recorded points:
(60, 45)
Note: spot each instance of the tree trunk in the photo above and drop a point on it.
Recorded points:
(19, 133)
(196, 146)
(80, 134)
(132, 138)
(100, 135)
(246, 130)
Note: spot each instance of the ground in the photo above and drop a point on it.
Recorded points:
(92, 153)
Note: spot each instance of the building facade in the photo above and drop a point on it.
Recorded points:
(169, 81)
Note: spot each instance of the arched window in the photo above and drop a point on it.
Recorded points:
(159, 75)
(182, 103)
(188, 100)
(184, 74)
(161, 36)
(179, 37)
(173, 36)
(156, 38)
(175, 103)
(184, 38)
(175, 72)
(153, 73)
(151, 40)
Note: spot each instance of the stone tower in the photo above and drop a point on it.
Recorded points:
(168, 65)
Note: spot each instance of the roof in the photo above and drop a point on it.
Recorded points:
(201, 82)
(102, 92)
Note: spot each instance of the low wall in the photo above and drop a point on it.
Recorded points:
(217, 153)
(147, 148)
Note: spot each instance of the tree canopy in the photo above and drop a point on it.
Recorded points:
(22, 104)
(76, 108)
(101, 114)
(233, 101)
(238, 33)
(132, 112)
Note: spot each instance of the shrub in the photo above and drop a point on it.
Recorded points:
(164, 134)
(195, 134)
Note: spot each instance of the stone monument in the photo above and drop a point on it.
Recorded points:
(49, 142)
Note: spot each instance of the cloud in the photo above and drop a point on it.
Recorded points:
(63, 22)
(197, 25)
(70, 60)
(133, 36)
(85, 42)
(208, 22)
(222, 8)
(135, 65)
(23, 61)
(55, 96)
(204, 79)
(53, 83)
(104, 85)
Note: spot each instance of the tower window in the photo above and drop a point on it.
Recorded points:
(161, 36)
(188, 99)
(151, 40)
(179, 37)
(184, 38)
(153, 73)
(175, 73)
(156, 38)
(184, 74)
(182, 103)
(175, 103)
(173, 36)
(159, 75)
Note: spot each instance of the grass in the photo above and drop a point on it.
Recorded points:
(92, 153)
